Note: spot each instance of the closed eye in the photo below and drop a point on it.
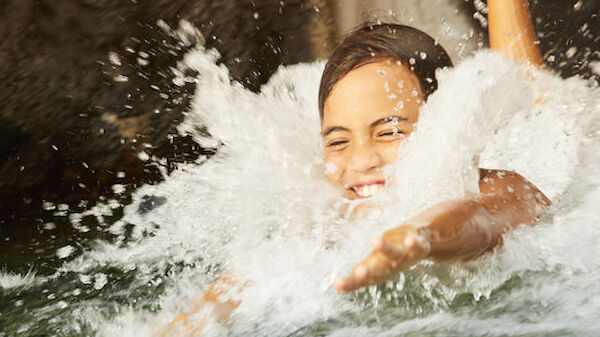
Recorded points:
(336, 143)
(390, 133)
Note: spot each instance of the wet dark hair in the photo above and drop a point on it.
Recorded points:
(372, 43)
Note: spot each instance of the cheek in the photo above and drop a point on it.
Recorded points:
(388, 152)
(334, 168)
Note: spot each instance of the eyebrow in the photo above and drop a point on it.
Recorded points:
(333, 129)
(374, 124)
(387, 119)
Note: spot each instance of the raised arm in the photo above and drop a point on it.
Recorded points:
(511, 31)
(452, 230)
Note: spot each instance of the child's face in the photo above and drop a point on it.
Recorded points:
(366, 116)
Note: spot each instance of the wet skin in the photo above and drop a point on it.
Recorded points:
(358, 146)
(367, 115)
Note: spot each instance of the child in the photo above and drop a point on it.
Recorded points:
(362, 129)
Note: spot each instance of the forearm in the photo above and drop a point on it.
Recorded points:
(466, 228)
(511, 31)
(458, 229)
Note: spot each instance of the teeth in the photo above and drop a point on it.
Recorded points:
(366, 191)
(363, 191)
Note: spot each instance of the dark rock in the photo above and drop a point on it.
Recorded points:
(71, 126)
(87, 101)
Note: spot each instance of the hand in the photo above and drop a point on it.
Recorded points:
(191, 324)
(181, 326)
(396, 250)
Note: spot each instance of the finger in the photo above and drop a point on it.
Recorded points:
(403, 248)
(379, 267)
(410, 242)
(356, 279)
(391, 250)
(393, 243)
(417, 246)
(376, 268)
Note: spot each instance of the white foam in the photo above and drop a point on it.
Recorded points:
(262, 210)
(10, 280)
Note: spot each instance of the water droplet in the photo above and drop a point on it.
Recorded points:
(85, 279)
(100, 281)
(114, 58)
(64, 252)
(121, 78)
(48, 206)
(330, 168)
(118, 188)
(143, 156)
(570, 52)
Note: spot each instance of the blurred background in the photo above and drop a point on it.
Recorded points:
(450, 21)
(89, 106)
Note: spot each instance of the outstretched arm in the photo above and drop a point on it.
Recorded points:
(511, 31)
(452, 230)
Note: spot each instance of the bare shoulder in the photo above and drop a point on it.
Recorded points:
(509, 183)
(494, 181)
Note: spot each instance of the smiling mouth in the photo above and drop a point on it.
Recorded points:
(368, 190)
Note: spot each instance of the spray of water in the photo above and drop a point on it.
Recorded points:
(262, 210)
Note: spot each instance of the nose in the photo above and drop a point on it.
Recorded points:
(364, 157)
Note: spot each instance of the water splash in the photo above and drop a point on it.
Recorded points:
(262, 210)
(10, 280)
